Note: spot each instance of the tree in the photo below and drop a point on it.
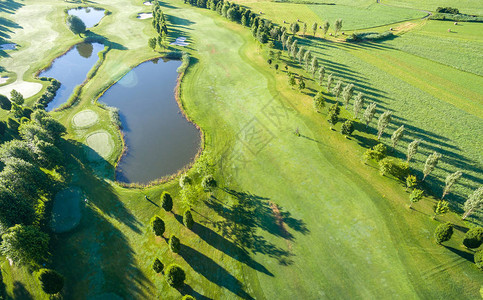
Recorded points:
(474, 202)
(51, 281)
(5, 103)
(337, 89)
(16, 97)
(330, 80)
(158, 266)
(450, 181)
(358, 104)
(479, 259)
(175, 276)
(15, 209)
(473, 238)
(415, 196)
(291, 80)
(32, 132)
(188, 219)
(314, 28)
(319, 102)
(304, 29)
(347, 128)
(184, 180)
(338, 26)
(347, 94)
(443, 232)
(314, 66)
(152, 43)
(412, 149)
(369, 113)
(307, 59)
(325, 27)
(396, 136)
(157, 224)
(377, 153)
(76, 25)
(321, 75)
(174, 244)
(431, 163)
(166, 201)
(25, 245)
(16, 148)
(411, 182)
(334, 111)
(441, 208)
(301, 83)
(295, 27)
(382, 123)
(188, 297)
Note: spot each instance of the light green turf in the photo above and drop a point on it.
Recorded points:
(67, 210)
(102, 144)
(340, 229)
(85, 118)
(470, 7)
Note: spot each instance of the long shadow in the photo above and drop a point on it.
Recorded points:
(20, 292)
(212, 271)
(188, 290)
(229, 248)
(104, 259)
(94, 37)
(9, 6)
(466, 255)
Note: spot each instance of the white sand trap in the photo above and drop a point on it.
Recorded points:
(3, 80)
(148, 3)
(101, 145)
(143, 16)
(27, 89)
(180, 42)
(67, 210)
(8, 46)
(85, 118)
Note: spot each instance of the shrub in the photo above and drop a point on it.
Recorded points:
(394, 167)
(184, 180)
(208, 182)
(157, 224)
(174, 244)
(473, 238)
(319, 102)
(188, 219)
(175, 276)
(166, 201)
(347, 128)
(370, 36)
(479, 259)
(12, 124)
(158, 266)
(447, 10)
(51, 282)
(377, 152)
(188, 297)
(443, 232)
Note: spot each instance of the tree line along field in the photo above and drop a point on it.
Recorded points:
(280, 208)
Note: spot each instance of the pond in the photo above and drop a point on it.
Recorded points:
(71, 70)
(8, 46)
(159, 139)
(89, 15)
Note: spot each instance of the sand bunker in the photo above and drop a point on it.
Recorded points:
(27, 89)
(3, 80)
(148, 3)
(180, 42)
(67, 210)
(101, 145)
(143, 16)
(8, 46)
(85, 118)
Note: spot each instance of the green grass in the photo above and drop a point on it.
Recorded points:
(315, 221)
(460, 48)
(471, 7)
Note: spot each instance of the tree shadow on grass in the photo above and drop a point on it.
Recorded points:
(212, 271)
(20, 292)
(188, 290)
(463, 254)
(242, 220)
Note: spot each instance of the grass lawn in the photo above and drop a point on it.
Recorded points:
(471, 7)
(293, 217)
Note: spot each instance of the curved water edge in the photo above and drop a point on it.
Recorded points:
(158, 139)
(71, 69)
(91, 16)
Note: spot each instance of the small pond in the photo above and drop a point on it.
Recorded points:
(8, 46)
(89, 15)
(159, 139)
(71, 70)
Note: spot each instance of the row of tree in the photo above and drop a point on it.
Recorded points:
(160, 26)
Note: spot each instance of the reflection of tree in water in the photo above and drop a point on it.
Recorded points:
(85, 49)
(251, 212)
